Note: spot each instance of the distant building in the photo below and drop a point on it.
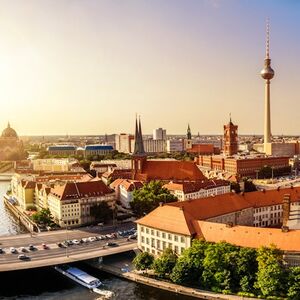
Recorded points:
(155, 146)
(230, 139)
(159, 134)
(241, 166)
(11, 147)
(67, 150)
(124, 189)
(204, 149)
(123, 142)
(195, 190)
(146, 170)
(54, 164)
(174, 145)
(100, 167)
(91, 150)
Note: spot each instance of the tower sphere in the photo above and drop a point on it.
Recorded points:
(267, 72)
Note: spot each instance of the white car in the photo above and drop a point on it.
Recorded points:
(76, 242)
(92, 239)
(13, 250)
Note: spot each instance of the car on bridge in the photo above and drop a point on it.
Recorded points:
(31, 247)
(45, 247)
(1, 251)
(23, 257)
(13, 250)
(112, 244)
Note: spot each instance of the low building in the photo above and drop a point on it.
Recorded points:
(203, 149)
(124, 189)
(91, 150)
(195, 190)
(175, 146)
(124, 142)
(64, 150)
(241, 219)
(241, 166)
(100, 167)
(71, 204)
(53, 164)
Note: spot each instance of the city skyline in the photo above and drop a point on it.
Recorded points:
(75, 62)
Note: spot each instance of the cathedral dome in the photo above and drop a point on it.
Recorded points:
(9, 132)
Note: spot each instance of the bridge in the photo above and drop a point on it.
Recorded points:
(56, 255)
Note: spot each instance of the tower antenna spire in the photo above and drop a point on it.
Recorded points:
(267, 38)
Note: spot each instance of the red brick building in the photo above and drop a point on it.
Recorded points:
(241, 166)
(230, 139)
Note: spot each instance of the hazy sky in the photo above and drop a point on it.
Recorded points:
(87, 66)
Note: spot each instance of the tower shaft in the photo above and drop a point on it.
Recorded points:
(267, 125)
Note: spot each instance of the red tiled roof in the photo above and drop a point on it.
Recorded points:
(71, 190)
(190, 187)
(171, 170)
(205, 208)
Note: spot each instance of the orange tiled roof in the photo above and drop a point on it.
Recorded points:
(170, 219)
(190, 187)
(171, 170)
(246, 236)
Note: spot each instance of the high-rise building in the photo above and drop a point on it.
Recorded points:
(230, 139)
(159, 134)
(123, 142)
(267, 73)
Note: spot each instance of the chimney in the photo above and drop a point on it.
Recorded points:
(286, 209)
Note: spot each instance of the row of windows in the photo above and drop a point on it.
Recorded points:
(164, 235)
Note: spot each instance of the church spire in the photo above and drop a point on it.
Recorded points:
(138, 144)
(189, 133)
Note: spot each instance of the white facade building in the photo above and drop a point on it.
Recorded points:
(174, 146)
(159, 134)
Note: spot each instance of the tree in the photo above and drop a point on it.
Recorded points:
(149, 196)
(189, 266)
(164, 264)
(143, 261)
(43, 217)
(235, 186)
(101, 212)
(294, 283)
(246, 269)
(249, 186)
(220, 264)
(270, 271)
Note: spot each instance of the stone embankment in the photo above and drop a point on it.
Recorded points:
(168, 286)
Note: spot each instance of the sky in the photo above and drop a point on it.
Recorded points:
(89, 66)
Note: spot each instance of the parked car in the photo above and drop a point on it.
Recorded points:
(92, 239)
(1, 251)
(31, 247)
(111, 244)
(45, 246)
(23, 257)
(13, 250)
(76, 242)
(23, 249)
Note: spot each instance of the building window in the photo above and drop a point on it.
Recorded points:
(157, 233)
(152, 232)
(147, 230)
(182, 239)
(163, 235)
(175, 238)
(147, 241)
(169, 236)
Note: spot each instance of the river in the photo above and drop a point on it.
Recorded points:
(46, 283)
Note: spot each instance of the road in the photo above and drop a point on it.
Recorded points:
(55, 255)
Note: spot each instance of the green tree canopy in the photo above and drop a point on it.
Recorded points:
(149, 196)
(102, 212)
(294, 283)
(43, 217)
(143, 261)
(270, 271)
(165, 263)
(189, 266)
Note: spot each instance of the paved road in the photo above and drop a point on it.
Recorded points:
(55, 255)
(23, 240)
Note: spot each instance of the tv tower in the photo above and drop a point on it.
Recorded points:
(267, 73)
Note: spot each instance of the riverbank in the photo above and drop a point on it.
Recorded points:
(168, 286)
(20, 215)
